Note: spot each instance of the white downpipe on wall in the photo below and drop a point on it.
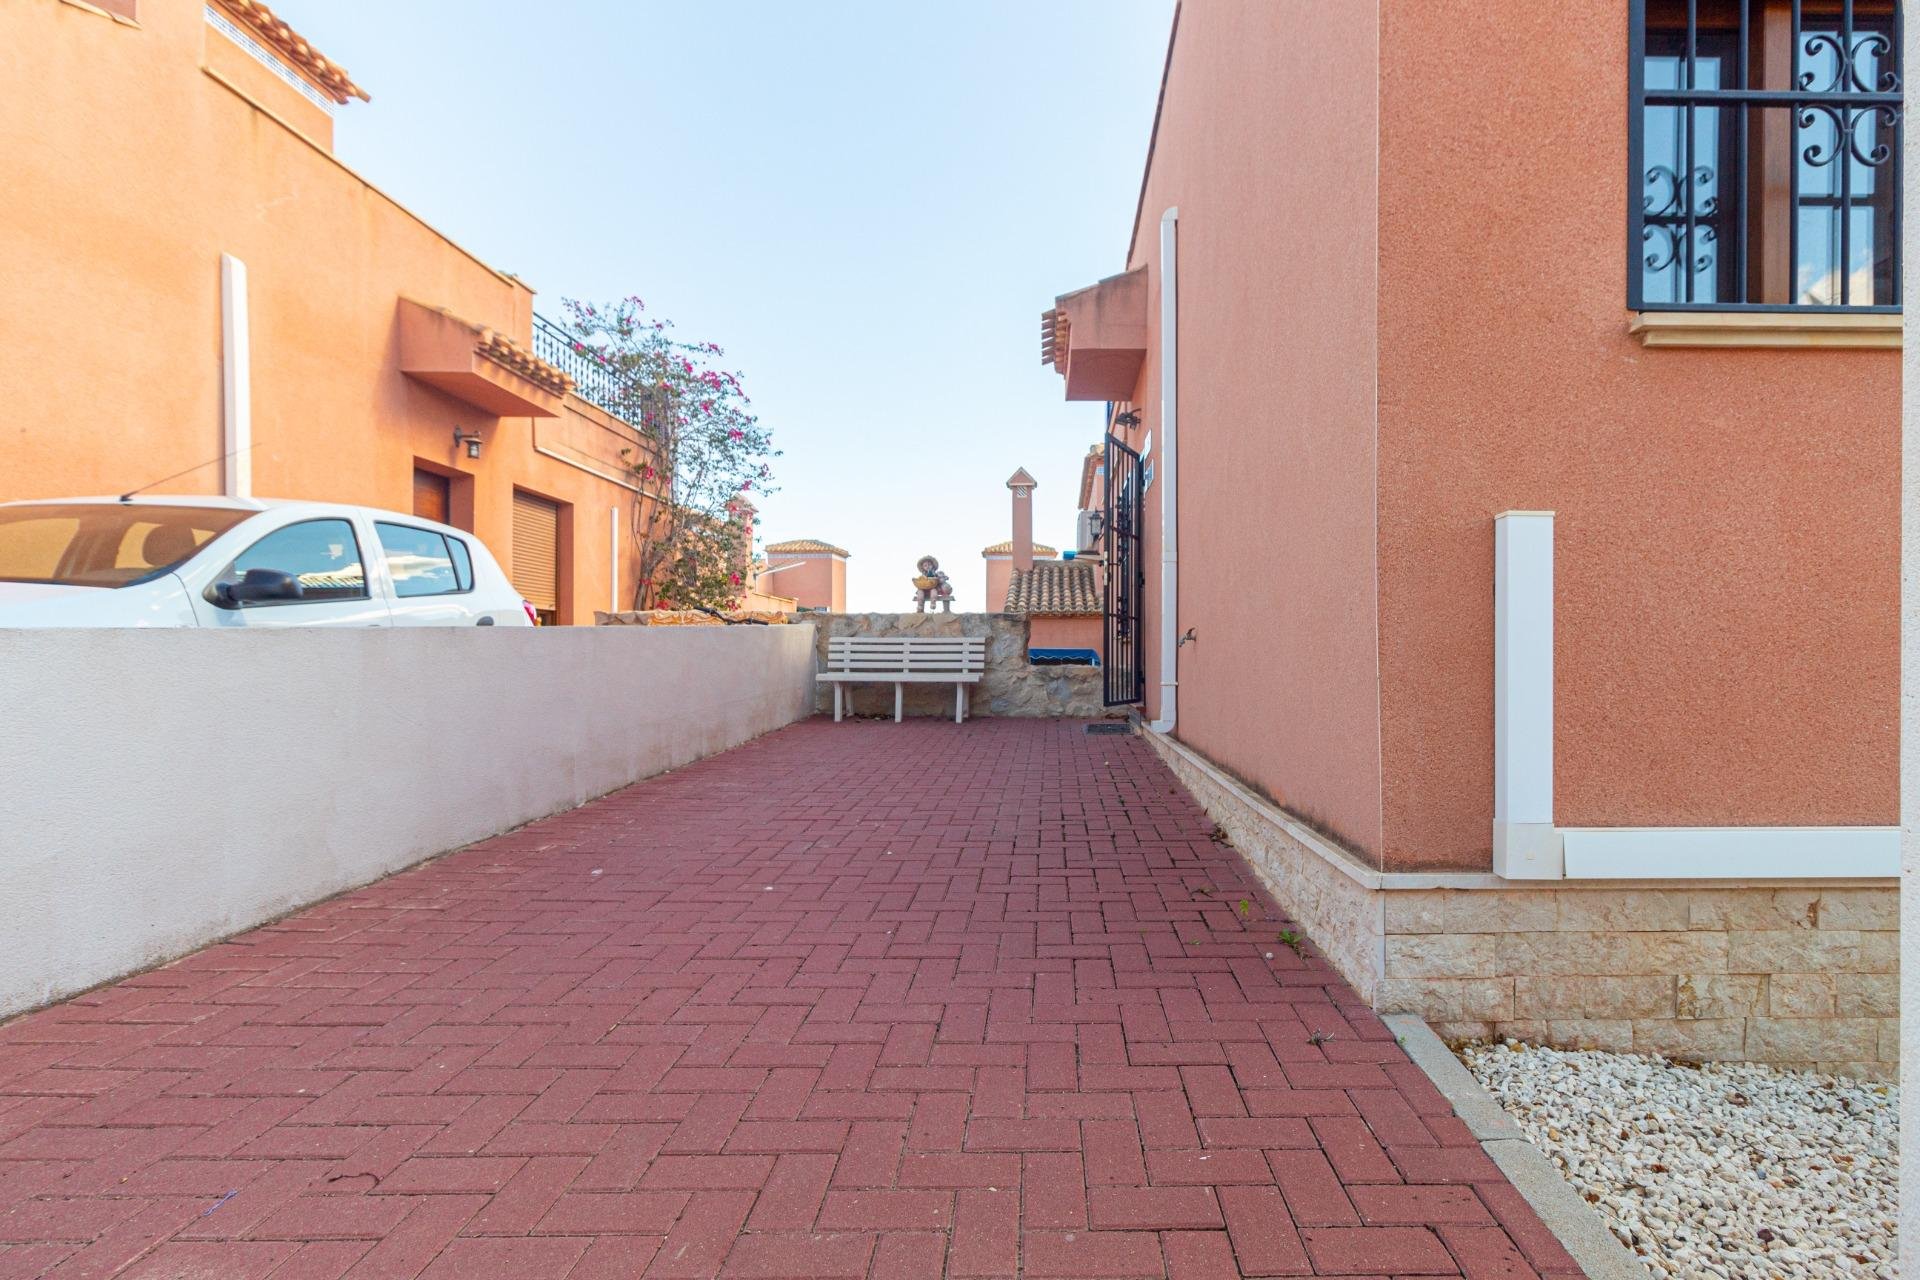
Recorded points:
(236, 382)
(613, 559)
(1169, 472)
(1524, 844)
(1528, 845)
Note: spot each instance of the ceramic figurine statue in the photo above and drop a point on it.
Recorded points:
(930, 586)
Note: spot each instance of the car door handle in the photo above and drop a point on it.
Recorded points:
(485, 621)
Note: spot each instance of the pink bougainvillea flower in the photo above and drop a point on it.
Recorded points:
(736, 433)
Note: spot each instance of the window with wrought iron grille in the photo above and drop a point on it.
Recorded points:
(1764, 142)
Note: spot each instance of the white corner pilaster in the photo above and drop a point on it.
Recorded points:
(236, 382)
(1525, 844)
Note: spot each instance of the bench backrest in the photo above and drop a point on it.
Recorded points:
(919, 655)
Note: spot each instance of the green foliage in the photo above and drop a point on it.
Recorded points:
(702, 457)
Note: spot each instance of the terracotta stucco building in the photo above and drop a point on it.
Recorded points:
(1530, 516)
(191, 273)
(813, 573)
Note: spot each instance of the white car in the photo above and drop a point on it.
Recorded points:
(228, 562)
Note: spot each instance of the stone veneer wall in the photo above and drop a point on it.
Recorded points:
(1797, 974)
(1012, 686)
(1802, 976)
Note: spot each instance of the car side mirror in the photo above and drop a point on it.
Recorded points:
(260, 584)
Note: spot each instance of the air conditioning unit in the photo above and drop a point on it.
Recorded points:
(1086, 530)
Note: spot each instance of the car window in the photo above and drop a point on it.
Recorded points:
(462, 562)
(35, 547)
(419, 561)
(103, 544)
(155, 544)
(323, 554)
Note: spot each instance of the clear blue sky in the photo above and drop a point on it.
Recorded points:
(868, 203)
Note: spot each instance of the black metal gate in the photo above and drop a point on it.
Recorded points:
(1126, 577)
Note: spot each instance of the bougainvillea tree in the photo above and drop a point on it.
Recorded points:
(704, 458)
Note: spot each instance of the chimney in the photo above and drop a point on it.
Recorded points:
(1022, 485)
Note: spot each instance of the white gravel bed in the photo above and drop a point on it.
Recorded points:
(1733, 1171)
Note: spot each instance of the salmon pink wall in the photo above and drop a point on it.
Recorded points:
(1265, 142)
(166, 153)
(999, 577)
(1727, 536)
(816, 581)
(1047, 631)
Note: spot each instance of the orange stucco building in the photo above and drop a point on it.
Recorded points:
(190, 272)
(812, 572)
(1510, 560)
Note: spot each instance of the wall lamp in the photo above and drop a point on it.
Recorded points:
(471, 439)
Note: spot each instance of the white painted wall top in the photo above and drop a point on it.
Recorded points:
(166, 788)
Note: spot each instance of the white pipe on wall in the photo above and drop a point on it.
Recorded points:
(1168, 475)
(613, 559)
(236, 382)
(1525, 845)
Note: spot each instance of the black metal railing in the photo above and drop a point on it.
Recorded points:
(1764, 144)
(593, 380)
(1124, 678)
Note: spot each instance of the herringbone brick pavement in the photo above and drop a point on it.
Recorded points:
(865, 999)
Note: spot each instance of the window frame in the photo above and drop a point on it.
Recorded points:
(463, 561)
(226, 573)
(453, 562)
(1743, 99)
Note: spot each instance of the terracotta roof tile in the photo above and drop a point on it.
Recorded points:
(1055, 587)
(502, 350)
(802, 546)
(1006, 549)
(291, 45)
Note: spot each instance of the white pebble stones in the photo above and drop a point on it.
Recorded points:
(1733, 1171)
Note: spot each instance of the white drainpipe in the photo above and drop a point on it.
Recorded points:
(1168, 475)
(236, 382)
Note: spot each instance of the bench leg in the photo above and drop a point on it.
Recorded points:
(959, 702)
(899, 702)
(837, 686)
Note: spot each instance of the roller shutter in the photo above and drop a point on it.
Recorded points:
(536, 552)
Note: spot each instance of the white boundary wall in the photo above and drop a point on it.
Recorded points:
(161, 789)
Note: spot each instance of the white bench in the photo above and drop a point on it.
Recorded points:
(901, 661)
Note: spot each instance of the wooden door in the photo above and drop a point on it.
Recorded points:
(432, 496)
(536, 554)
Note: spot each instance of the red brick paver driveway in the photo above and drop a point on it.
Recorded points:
(853, 1000)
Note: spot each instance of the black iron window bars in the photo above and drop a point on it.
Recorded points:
(1764, 145)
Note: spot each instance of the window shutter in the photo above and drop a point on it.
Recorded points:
(536, 550)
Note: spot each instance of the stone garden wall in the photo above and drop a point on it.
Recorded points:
(1012, 686)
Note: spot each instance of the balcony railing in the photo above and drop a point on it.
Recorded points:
(592, 380)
